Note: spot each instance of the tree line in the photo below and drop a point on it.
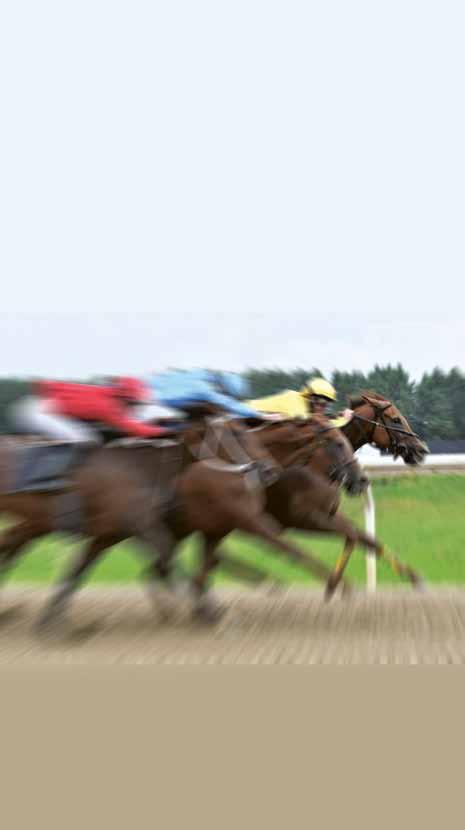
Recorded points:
(434, 405)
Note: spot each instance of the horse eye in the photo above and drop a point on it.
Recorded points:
(397, 420)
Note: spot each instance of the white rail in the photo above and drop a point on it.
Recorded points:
(370, 527)
(439, 463)
(377, 465)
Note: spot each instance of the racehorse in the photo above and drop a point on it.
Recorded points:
(119, 491)
(379, 422)
(375, 421)
(215, 498)
(111, 520)
(298, 499)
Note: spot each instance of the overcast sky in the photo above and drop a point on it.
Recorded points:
(299, 159)
(79, 344)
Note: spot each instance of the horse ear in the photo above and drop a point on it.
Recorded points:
(378, 404)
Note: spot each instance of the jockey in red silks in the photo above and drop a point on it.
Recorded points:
(66, 411)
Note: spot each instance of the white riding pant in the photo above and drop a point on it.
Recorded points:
(156, 412)
(35, 416)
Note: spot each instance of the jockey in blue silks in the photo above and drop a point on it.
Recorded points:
(178, 389)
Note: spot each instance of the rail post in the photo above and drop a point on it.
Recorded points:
(370, 527)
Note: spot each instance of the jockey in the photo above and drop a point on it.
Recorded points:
(179, 389)
(314, 398)
(319, 394)
(66, 411)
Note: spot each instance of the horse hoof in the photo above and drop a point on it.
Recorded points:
(329, 593)
(50, 624)
(181, 589)
(274, 589)
(419, 584)
(347, 592)
(208, 613)
(9, 615)
(163, 602)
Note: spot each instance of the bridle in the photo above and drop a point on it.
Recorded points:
(392, 431)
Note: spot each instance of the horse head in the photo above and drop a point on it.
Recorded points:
(379, 422)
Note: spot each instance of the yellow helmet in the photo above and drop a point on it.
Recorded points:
(320, 387)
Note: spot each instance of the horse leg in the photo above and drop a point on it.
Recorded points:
(13, 543)
(397, 566)
(338, 572)
(238, 570)
(362, 538)
(160, 545)
(266, 528)
(337, 525)
(342, 526)
(206, 609)
(400, 569)
(54, 610)
(241, 571)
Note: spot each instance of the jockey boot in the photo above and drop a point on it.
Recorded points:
(44, 467)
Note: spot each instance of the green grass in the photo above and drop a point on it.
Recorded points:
(419, 518)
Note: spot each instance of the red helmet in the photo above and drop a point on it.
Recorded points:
(132, 389)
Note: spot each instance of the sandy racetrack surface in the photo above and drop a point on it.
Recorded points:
(119, 626)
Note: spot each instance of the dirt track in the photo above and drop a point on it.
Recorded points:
(118, 626)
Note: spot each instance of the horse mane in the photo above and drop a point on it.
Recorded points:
(358, 400)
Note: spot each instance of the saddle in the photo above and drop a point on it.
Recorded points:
(40, 466)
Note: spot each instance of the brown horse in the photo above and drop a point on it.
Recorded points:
(97, 484)
(120, 491)
(379, 422)
(215, 502)
(216, 498)
(299, 499)
(376, 421)
(210, 496)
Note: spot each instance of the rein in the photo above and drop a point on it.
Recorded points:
(382, 423)
(391, 430)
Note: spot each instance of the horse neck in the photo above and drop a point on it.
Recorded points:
(285, 445)
(281, 454)
(294, 448)
(356, 431)
(320, 463)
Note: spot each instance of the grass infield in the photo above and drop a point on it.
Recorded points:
(420, 518)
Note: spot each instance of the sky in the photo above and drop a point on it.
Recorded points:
(276, 183)
(80, 345)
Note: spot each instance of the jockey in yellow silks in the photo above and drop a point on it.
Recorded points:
(314, 398)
